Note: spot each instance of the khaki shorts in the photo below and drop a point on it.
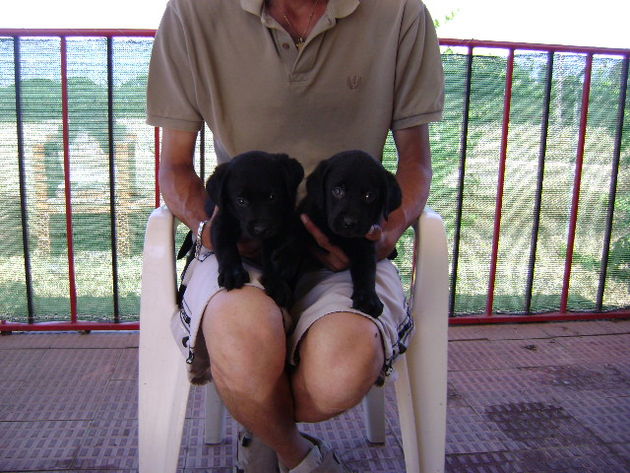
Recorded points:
(318, 293)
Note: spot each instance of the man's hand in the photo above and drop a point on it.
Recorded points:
(333, 257)
(206, 236)
(384, 241)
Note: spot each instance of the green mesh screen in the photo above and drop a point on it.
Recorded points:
(134, 180)
(90, 183)
(480, 183)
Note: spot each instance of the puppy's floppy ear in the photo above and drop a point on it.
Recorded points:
(392, 195)
(293, 173)
(315, 186)
(214, 184)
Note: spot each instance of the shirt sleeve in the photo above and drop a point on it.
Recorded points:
(171, 96)
(419, 86)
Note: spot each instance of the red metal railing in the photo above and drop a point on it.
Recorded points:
(499, 201)
(563, 312)
(577, 183)
(74, 323)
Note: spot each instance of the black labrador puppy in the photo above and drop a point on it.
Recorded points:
(346, 195)
(255, 194)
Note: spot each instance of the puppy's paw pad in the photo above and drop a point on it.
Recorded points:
(233, 279)
(368, 303)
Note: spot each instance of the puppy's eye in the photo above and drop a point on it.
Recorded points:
(369, 196)
(242, 202)
(339, 192)
(271, 197)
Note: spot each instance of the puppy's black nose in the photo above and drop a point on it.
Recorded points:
(259, 229)
(349, 221)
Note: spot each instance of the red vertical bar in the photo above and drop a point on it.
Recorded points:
(157, 166)
(66, 173)
(577, 181)
(507, 102)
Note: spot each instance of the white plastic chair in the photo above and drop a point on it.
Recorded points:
(420, 386)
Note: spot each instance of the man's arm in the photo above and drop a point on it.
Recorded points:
(183, 190)
(414, 177)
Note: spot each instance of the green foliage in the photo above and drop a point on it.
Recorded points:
(87, 101)
(437, 22)
(41, 100)
(130, 97)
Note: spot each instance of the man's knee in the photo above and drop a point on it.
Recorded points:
(340, 359)
(245, 338)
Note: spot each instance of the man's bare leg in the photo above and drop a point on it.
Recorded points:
(247, 345)
(341, 357)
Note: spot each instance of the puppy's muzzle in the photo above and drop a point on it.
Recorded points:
(348, 226)
(260, 229)
(349, 222)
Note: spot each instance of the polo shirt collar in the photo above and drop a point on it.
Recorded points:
(336, 8)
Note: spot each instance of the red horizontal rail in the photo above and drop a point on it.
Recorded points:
(66, 326)
(472, 43)
(556, 48)
(75, 32)
(544, 317)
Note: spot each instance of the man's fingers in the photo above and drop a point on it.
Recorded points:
(321, 239)
(375, 233)
(332, 256)
(333, 259)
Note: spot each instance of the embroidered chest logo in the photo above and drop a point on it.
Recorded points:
(354, 81)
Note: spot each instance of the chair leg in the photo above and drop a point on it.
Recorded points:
(404, 403)
(427, 374)
(374, 414)
(163, 396)
(215, 416)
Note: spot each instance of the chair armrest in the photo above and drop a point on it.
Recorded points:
(429, 298)
(158, 262)
(159, 276)
(429, 294)
(430, 282)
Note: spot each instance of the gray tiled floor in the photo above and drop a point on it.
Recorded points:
(522, 398)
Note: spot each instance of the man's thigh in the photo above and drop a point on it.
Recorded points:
(322, 295)
(343, 345)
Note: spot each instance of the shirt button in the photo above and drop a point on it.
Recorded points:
(286, 45)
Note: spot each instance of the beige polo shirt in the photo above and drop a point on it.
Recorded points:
(368, 66)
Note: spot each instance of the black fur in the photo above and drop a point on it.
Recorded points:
(255, 193)
(346, 195)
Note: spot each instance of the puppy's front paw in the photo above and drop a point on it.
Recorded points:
(233, 278)
(368, 302)
(278, 290)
